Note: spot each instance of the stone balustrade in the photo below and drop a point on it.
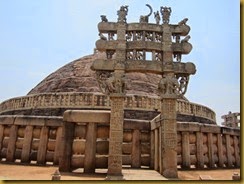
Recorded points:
(199, 145)
(38, 140)
(98, 101)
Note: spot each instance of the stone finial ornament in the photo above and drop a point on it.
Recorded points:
(122, 13)
(157, 17)
(166, 12)
(104, 18)
(144, 18)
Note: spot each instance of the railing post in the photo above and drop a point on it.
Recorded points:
(11, 143)
(90, 151)
(136, 149)
(42, 148)
(26, 149)
(66, 146)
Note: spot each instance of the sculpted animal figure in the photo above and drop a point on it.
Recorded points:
(144, 18)
(183, 22)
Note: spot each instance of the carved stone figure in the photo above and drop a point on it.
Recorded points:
(178, 57)
(139, 55)
(158, 37)
(149, 36)
(138, 35)
(129, 55)
(157, 17)
(168, 85)
(129, 36)
(110, 54)
(183, 22)
(183, 84)
(165, 11)
(144, 18)
(104, 18)
(158, 56)
(186, 39)
(122, 13)
(102, 37)
(110, 36)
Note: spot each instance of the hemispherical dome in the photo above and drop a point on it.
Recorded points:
(77, 76)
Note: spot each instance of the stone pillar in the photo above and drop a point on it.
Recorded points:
(185, 150)
(116, 136)
(90, 151)
(66, 146)
(169, 138)
(26, 149)
(136, 150)
(152, 149)
(156, 160)
(220, 150)
(200, 159)
(210, 150)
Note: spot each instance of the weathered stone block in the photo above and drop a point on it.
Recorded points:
(85, 116)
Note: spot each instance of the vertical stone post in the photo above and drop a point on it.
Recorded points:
(117, 98)
(185, 150)
(90, 151)
(156, 160)
(200, 159)
(152, 149)
(169, 138)
(116, 136)
(220, 150)
(168, 164)
(136, 150)
(66, 146)
(25, 155)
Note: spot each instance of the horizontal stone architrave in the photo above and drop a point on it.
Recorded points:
(99, 101)
(182, 30)
(85, 116)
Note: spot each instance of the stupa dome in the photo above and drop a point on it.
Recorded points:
(77, 76)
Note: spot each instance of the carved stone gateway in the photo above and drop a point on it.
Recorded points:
(147, 48)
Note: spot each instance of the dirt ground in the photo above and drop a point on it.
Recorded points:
(22, 172)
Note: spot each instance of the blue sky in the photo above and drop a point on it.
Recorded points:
(38, 37)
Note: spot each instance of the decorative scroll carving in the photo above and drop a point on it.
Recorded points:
(122, 13)
(165, 11)
(157, 17)
(144, 18)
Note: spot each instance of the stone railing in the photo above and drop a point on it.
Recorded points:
(98, 101)
(39, 140)
(199, 146)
